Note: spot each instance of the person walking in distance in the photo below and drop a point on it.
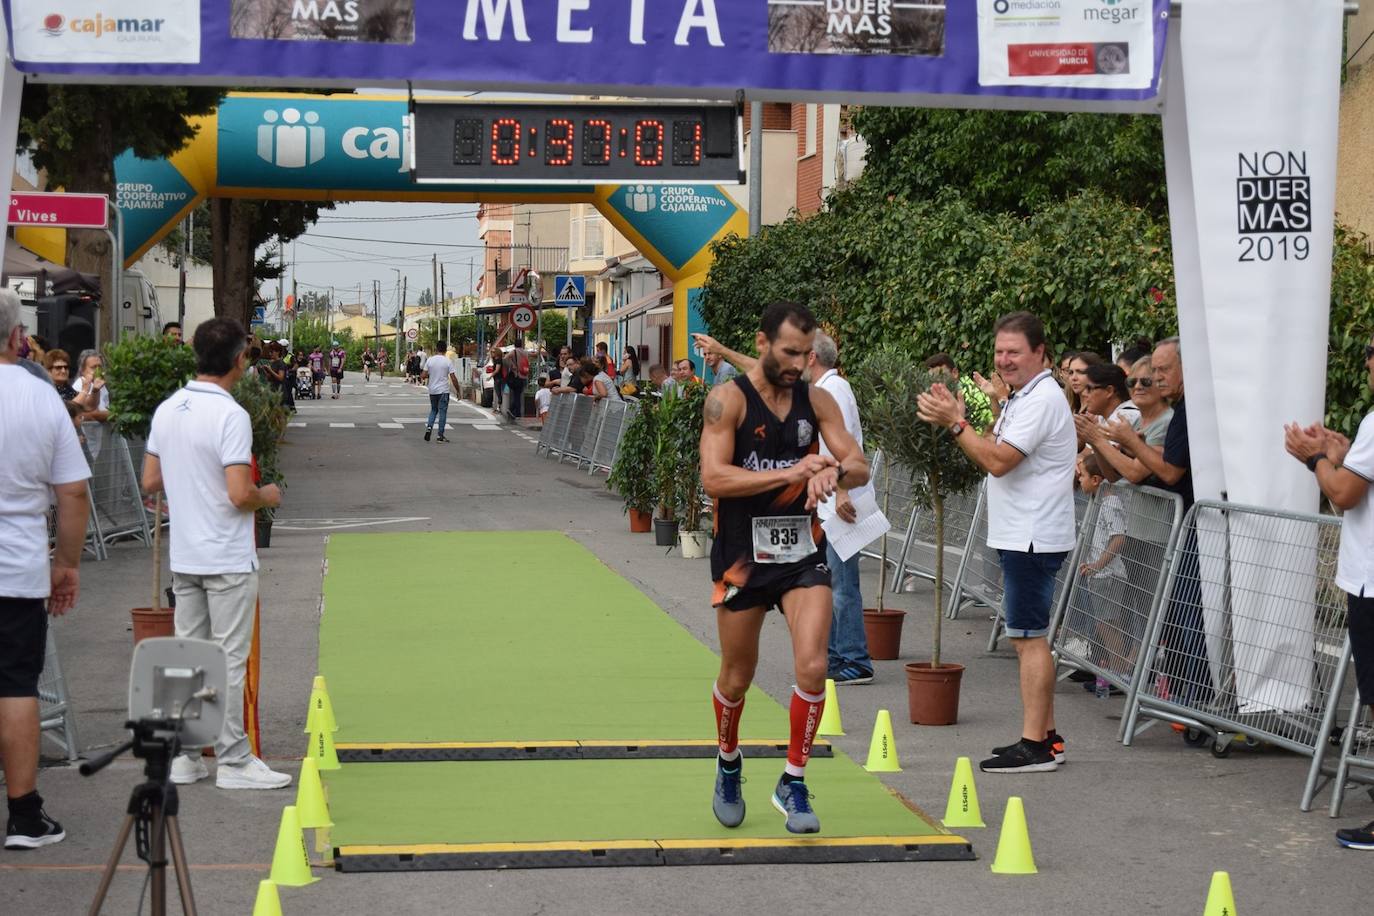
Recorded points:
(1344, 471)
(200, 453)
(437, 374)
(1029, 457)
(42, 456)
(338, 356)
(317, 369)
(761, 463)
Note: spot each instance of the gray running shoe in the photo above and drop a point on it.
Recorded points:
(728, 803)
(794, 801)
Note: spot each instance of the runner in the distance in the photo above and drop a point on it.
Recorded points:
(760, 461)
(317, 370)
(338, 356)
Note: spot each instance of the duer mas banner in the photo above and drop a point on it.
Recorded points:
(1251, 152)
(1082, 54)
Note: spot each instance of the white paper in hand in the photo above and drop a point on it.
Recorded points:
(870, 525)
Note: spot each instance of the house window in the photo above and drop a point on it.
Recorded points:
(811, 112)
(589, 235)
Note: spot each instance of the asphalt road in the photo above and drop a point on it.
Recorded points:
(1116, 830)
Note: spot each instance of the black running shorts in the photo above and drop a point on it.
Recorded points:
(805, 575)
(23, 643)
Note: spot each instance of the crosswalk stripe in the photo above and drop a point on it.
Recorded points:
(342, 425)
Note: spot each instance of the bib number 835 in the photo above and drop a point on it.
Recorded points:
(783, 537)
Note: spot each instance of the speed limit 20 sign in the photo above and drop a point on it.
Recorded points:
(522, 317)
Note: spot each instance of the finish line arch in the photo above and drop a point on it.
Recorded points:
(351, 148)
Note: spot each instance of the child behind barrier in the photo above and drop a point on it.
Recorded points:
(1104, 620)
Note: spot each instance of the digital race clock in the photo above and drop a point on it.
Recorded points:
(576, 143)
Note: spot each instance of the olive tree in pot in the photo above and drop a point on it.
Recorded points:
(887, 385)
(633, 475)
(141, 373)
(667, 456)
(268, 417)
(687, 425)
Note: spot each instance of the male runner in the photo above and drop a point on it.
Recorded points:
(316, 370)
(761, 462)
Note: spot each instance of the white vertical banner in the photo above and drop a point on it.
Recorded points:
(1260, 82)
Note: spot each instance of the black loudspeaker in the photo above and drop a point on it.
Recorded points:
(67, 322)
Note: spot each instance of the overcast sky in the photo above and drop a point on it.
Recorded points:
(354, 244)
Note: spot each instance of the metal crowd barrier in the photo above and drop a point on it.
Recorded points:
(892, 489)
(137, 449)
(55, 714)
(979, 578)
(114, 490)
(1127, 534)
(615, 417)
(1248, 637)
(553, 438)
(918, 554)
(582, 425)
(1356, 747)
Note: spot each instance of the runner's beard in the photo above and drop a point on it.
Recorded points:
(773, 371)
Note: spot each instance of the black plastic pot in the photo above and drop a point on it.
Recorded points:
(665, 532)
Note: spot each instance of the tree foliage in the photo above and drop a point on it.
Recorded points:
(142, 372)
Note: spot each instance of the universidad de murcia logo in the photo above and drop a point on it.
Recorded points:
(124, 28)
(289, 139)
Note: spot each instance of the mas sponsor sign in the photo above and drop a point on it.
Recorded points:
(1082, 54)
(390, 21)
(1084, 43)
(106, 31)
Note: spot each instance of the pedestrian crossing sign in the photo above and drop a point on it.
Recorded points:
(571, 289)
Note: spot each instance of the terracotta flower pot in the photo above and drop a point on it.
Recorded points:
(149, 622)
(883, 631)
(641, 522)
(933, 693)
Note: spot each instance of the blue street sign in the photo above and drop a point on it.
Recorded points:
(570, 289)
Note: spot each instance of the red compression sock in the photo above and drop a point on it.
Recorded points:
(806, 719)
(727, 723)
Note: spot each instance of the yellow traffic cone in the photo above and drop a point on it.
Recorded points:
(1014, 856)
(320, 707)
(310, 805)
(322, 750)
(962, 809)
(830, 716)
(1220, 901)
(882, 749)
(268, 902)
(290, 861)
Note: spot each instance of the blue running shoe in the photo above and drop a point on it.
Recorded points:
(794, 801)
(728, 803)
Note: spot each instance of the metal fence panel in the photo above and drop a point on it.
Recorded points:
(892, 488)
(55, 714)
(559, 444)
(918, 554)
(1127, 535)
(608, 434)
(137, 449)
(1248, 638)
(1356, 747)
(548, 433)
(115, 492)
(581, 429)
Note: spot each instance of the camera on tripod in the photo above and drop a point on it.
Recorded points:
(176, 701)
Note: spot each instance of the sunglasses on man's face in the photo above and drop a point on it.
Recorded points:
(1141, 382)
(1094, 388)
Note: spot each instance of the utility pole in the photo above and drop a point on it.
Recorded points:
(181, 281)
(281, 278)
(377, 308)
(400, 319)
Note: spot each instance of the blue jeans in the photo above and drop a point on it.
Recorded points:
(438, 404)
(848, 643)
(1028, 591)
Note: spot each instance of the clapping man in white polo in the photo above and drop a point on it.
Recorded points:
(200, 451)
(1029, 456)
(1344, 471)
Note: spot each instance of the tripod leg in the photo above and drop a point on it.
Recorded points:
(183, 872)
(111, 866)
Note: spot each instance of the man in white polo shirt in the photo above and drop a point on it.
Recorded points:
(42, 458)
(1344, 471)
(200, 450)
(436, 374)
(1029, 456)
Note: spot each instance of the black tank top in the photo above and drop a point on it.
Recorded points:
(765, 443)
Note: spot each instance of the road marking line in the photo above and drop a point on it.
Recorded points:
(342, 426)
(485, 427)
(390, 426)
(297, 425)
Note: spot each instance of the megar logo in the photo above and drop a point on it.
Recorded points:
(1112, 11)
(125, 28)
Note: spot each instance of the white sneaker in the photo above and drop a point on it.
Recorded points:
(251, 774)
(187, 769)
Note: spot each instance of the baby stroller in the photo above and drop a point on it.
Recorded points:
(305, 385)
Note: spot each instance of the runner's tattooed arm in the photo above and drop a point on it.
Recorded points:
(719, 475)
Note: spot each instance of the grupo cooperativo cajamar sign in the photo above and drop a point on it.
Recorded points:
(1004, 53)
